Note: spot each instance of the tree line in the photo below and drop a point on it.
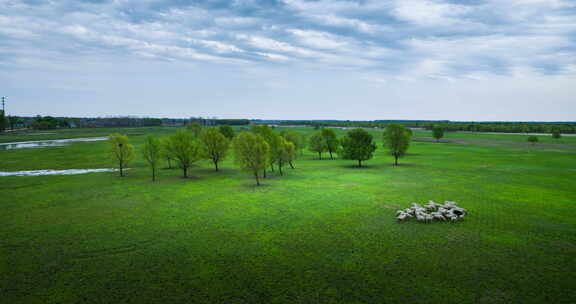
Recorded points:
(259, 151)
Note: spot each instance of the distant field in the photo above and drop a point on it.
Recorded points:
(323, 233)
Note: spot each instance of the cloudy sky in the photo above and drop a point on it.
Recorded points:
(291, 59)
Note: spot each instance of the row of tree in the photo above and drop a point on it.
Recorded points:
(359, 145)
(256, 151)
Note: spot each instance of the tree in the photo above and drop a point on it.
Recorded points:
(166, 152)
(437, 132)
(227, 131)
(332, 143)
(397, 140)
(122, 152)
(184, 149)
(214, 145)
(358, 145)
(533, 139)
(296, 138)
(556, 133)
(194, 127)
(251, 153)
(286, 154)
(273, 142)
(152, 152)
(3, 121)
(317, 144)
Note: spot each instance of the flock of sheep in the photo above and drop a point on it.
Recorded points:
(448, 211)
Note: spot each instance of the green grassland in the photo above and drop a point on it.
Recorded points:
(323, 233)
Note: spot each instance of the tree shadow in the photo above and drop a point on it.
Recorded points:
(364, 167)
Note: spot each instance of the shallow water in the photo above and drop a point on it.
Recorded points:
(47, 143)
(55, 172)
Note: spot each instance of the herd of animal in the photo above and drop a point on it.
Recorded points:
(449, 211)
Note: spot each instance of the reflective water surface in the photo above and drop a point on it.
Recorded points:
(47, 143)
(55, 172)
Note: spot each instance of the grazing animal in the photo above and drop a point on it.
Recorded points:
(401, 217)
(449, 211)
(438, 216)
(420, 217)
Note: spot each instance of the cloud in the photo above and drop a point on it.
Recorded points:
(399, 38)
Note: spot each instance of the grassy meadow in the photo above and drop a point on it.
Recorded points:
(323, 233)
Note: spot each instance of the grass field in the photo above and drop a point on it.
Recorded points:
(323, 233)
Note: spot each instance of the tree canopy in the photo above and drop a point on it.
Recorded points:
(358, 145)
(184, 149)
(331, 141)
(227, 131)
(251, 153)
(397, 140)
(214, 145)
(437, 132)
(121, 151)
(317, 144)
(556, 133)
(152, 152)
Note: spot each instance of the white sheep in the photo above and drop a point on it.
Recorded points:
(438, 216)
(401, 217)
(420, 217)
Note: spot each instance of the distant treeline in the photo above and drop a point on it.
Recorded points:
(504, 127)
(50, 122)
(507, 127)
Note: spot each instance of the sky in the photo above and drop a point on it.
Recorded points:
(481, 60)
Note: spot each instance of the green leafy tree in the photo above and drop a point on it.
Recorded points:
(286, 154)
(437, 132)
(166, 152)
(317, 144)
(273, 141)
(397, 140)
(251, 153)
(332, 142)
(358, 145)
(184, 149)
(533, 139)
(227, 131)
(214, 145)
(121, 151)
(556, 133)
(194, 127)
(152, 152)
(297, 139)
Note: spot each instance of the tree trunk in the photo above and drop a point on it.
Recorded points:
(121, 169)
(257, 180)
(264, 173)
(280, 169)
(272, 167)
(185, 169)
(291, 165)
(153, 174)
(215, 164)
(169, 163)
(359, 163)
(330, 151)
(320, 155)
(395, 160)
